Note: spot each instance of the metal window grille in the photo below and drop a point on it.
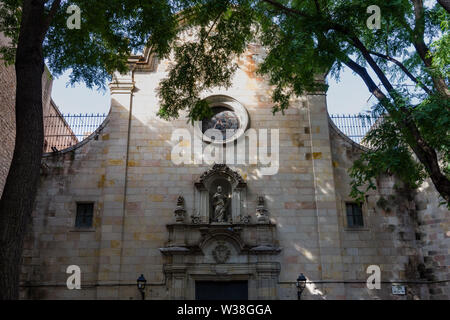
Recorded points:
(354, 126)
(85, 213)
(354, 215)
(65, 130)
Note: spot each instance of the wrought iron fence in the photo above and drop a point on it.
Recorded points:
(354, 126)
(66, 130)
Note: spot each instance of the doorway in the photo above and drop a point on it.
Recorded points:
(221, 290)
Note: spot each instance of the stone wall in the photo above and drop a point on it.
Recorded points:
(126, 169)
(388, 237)
(7, 117)
(57, 132)
(7, 112)
(433, 233)
(406, 232)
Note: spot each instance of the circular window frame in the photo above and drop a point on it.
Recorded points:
(233, 105)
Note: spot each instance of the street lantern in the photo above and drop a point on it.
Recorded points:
(301, 284)
(141, 285)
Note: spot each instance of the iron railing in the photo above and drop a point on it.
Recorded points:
(354, 126)
(65, 130)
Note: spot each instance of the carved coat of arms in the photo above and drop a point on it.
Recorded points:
(221, 253)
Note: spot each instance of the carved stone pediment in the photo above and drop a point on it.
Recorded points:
(217, 232)
(195, 239)
(239, 250)
(222, 170)
(221, 253)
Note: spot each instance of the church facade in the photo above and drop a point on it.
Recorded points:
(242, 216)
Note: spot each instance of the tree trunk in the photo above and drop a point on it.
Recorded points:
(20, 189)
(428, 157)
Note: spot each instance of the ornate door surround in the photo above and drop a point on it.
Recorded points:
(244, 248)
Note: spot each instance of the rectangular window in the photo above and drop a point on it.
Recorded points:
(85, 213)
(354, 215)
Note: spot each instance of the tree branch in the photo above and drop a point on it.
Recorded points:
(316, 2)
(54, 8)
(362, 72)
(356, 42)
(384, 80)
(286, 9)
(424, 152)
(422, 49)
(207, 35)
(445, 4)
(418, 33)
(406, 71)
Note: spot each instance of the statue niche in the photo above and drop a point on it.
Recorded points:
(219, 195)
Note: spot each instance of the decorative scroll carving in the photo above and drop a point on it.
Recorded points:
(196, 218)
(245, 219)
(221, 253)
(180, 211)
(222, 169)
(262, 214)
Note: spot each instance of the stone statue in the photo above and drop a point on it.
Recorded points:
(219, 201)
(180, 211)
(262, 215)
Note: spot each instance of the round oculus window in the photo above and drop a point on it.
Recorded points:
(228, 121)
(224, 120)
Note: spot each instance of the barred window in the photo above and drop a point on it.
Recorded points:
(354, 215)
(85, 213)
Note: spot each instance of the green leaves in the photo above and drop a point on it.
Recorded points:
(10, 17)
(433, 119)
(302, 40)
(206, 62)
(388, 154)
(390, 150)
(111, 30)
(440, 48)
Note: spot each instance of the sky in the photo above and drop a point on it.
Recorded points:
(79, 99)
(348, 96)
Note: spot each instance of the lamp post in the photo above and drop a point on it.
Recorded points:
(141, 285)
(301, 284)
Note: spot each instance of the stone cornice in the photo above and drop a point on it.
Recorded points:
(121, 84)
(145, 62)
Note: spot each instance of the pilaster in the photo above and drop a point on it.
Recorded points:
(114, 185)
(330, 255)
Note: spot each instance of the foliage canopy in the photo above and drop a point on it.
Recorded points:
(409, 55)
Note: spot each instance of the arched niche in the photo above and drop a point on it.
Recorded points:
(233, 186)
